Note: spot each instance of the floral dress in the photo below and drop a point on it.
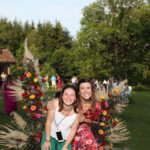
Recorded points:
(84, 139)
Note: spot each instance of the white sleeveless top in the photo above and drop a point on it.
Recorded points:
(64, 126)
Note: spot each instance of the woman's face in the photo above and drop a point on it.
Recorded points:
(85, 90)
(69, 96)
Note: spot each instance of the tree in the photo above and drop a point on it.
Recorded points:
(113, 39)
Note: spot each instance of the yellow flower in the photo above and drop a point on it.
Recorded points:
(28, 74)
(32, 96)
(24, 107)
(102, 97)
(104, 112)
(116, 91)
(102, 124)
(35, 80)
(100, 132)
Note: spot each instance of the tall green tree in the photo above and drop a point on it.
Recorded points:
(113, 40)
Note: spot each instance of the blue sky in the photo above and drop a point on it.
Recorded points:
(68, 12)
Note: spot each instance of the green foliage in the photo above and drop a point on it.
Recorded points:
(114, 41)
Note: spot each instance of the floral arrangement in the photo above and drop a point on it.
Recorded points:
(25, 131)
(33, 98)
(109, 129)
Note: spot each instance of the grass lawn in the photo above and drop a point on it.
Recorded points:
(136, 116)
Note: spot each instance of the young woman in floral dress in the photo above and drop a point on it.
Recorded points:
(89, 111)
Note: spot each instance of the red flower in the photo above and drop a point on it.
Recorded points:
(21, 78)
(25, 94)
(39, 93)
(43, 80)
(103, 103)
(107, 117)
(102, 143)
(45, 108)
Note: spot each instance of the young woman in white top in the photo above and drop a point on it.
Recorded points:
(62, 122)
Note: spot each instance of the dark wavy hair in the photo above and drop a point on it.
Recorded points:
(92, 99)
(76, 102)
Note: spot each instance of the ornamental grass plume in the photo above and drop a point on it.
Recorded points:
(119, 108)
(119, 133)
(12, 138)
(117, 89)
(18, 120)
(13, 135)
(16, 90)
(101, 94)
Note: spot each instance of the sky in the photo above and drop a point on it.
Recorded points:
(68, 12)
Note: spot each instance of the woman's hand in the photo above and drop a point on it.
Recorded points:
(65, 147)
(46, 145)
(81, 118)
(51, 105)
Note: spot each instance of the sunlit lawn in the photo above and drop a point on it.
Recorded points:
(137, 117)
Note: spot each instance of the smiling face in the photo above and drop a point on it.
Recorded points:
(69, 96)
(85, 90)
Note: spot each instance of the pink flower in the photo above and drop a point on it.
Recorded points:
(38, 116)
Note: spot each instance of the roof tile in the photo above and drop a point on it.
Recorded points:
(6, 56)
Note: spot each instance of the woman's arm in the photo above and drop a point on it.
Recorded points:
(82, 118)
(49, 119)
(72, 133)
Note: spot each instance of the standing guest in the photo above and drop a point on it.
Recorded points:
(9, 101)
(3, 78)
(62, 121)
(53, 80)
(58, 82)
(74, 80)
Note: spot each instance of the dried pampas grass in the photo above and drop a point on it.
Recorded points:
(119, 108)
(16, 90)
(18, 120)
(13, 135)
(119, 133)
(12, 138)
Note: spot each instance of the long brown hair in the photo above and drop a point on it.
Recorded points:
(92, 99)
(76, 102)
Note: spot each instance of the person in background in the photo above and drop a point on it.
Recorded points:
(3, 78)
(53, 81)
(58, 82)
(62, 121)
(9, 101)
(74, 80)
